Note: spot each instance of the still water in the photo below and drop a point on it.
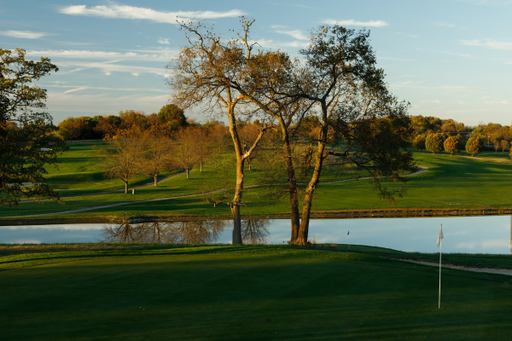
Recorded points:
(486, 234)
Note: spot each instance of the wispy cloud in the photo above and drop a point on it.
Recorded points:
(376, 23)
(407, 35)
(278, 45)
(297, 34)
(445, 25)
(109, 67)
(163, 41)
(23, 34)
(164, 54)
(457, 54)
(84, 88)
(490, 44)
(140, 13)
(496, 102)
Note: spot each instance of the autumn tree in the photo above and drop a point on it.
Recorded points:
(505, 145)
(108, 126)
(419, 142)
(156, 154)
(122, 156)
(451, 145)
(203, 73)
(28, 140)
(474, 145)
(172, 117)
(133, 118)
(434, 142)
(183, 154)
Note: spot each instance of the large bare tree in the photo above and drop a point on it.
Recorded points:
(203, 74)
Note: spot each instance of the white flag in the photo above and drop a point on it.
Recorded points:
(440, 235)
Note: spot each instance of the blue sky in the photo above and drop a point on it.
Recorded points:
(450, 59)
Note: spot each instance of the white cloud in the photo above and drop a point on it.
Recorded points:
(437, 101)
(164, 54)
(23, 34)
(109, 67)
(377, 23)
(457, 54)
(278, 45)
(163, 41)
(461, 102)
(297, 34)
(141, 13)
(407, 35)
(84, 88)
(490, 44)
(461, 88)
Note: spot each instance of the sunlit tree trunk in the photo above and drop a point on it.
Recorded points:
(302, 238)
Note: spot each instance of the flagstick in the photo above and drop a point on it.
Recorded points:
(440, 245)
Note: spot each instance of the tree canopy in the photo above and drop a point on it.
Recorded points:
(28, 141)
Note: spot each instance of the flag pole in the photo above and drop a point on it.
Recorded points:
(440, 253)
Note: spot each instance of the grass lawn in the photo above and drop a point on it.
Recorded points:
(156, 292)
(450, 182)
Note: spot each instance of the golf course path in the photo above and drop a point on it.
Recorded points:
(463, 268)
(422, 169)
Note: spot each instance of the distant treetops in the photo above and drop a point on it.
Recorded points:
(435, 135)
(169, 119)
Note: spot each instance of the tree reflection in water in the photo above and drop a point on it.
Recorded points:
(254, 231)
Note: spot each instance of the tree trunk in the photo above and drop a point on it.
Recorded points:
(155, 177)
(200, 166)
(126, 187)
(302, 238)
(237, 199)
(188, 171)
(292, 186)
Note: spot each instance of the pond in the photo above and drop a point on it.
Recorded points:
(484, 234)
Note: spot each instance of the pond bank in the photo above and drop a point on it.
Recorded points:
(341, 214)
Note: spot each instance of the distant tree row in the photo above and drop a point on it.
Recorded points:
(492, 135)
(437, 142)
(151, 152)
(169, 119)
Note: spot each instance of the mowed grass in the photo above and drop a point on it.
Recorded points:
(450, 182)
(156, 292)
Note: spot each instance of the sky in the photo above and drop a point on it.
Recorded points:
(449, 58)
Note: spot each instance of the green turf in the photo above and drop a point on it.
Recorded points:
(450, 182)
(156, 292)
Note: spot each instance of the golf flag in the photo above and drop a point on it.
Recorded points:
(440, 236)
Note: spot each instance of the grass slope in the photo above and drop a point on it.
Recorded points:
(155, 292)
(450, 182)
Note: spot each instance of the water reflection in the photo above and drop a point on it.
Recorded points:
(254, 231)
(484, 234)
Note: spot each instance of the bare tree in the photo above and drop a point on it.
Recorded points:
(156, 155)
(204, 73)
(121, 157)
